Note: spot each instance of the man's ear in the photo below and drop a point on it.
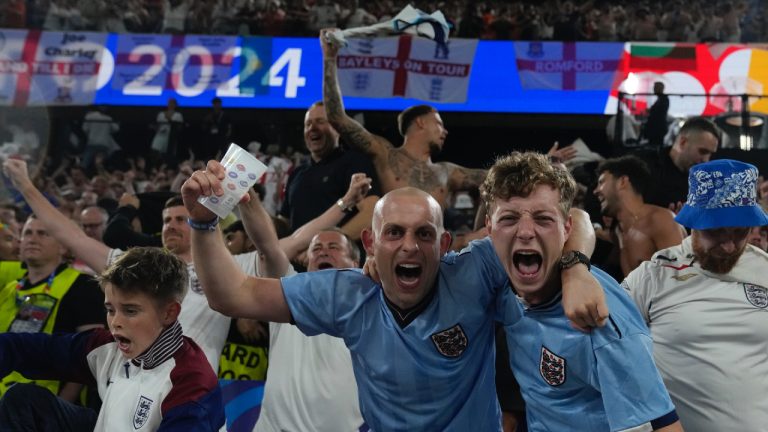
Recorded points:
(445, 242)
(367, 238)
(171, 312)
(624, 182)
(419, 121)
(568, 227)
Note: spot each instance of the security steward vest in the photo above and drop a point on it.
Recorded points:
(33, 310)
(11, 271)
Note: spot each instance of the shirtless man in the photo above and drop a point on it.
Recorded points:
(410, 164)
(641, 229)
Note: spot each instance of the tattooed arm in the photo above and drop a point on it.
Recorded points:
(461, 178)
(350, 130)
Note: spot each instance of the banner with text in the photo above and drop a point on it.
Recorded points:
(408, 67)
(49, 68)
(79, 68)
(567, 65)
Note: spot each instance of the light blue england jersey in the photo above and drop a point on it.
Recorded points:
(431, 369)
(604, 380)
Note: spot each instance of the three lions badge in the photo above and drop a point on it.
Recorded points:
(142, 412)
(756, 295)
(552, 367)
(451, 342)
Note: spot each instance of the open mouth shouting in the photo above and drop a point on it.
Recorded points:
(324, 265)
(408, 274)
(123, 343)
(527, 264)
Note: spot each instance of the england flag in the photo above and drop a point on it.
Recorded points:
(407, 66)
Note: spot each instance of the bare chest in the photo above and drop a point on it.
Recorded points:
(401, 170)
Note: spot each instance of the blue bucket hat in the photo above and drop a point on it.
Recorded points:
(722, 193)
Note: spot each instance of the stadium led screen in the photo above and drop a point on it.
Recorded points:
(56, 68)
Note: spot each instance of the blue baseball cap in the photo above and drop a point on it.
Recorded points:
(722, 193)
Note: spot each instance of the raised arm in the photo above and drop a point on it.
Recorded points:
(226, 287)
(362, 219)
(91, 251)
(359, 186)
(119, 232)
(277, 253)
(350, 130)
(260, 229)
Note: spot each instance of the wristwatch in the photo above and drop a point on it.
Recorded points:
(344, 208)
(571, 258)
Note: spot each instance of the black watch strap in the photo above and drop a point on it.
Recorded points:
(571, 258)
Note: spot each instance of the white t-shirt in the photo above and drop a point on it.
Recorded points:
(163, 134)
(199, 322)
(99, 128)
(274, 182)
(710, 336)
(310, 385)
(175, 17)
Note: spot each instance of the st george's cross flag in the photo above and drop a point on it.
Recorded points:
(408, 67)
(567, 65)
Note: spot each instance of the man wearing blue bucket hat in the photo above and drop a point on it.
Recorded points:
(706, 303)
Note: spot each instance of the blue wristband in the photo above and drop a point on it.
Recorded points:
(203, 226)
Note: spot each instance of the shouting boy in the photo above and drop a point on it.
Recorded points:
(149, 376)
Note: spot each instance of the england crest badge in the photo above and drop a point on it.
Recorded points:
(451, 342)
(552, 367)
(142, 412)
(756, 295)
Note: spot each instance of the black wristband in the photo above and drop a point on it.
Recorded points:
(203, 226)
(571, 258)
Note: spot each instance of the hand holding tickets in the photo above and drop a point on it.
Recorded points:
(243, 170)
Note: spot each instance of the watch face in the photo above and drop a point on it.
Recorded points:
(568, 258)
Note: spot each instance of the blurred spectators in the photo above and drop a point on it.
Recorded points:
(13, 14)
(562, 20)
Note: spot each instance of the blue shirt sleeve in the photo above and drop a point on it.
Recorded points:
(491, 274)
(632, 389)
(326, 301)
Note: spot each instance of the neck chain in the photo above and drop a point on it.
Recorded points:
(48, 282)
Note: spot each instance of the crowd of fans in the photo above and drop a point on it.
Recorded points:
(121, 187)
(96, 184)
(560, 20)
